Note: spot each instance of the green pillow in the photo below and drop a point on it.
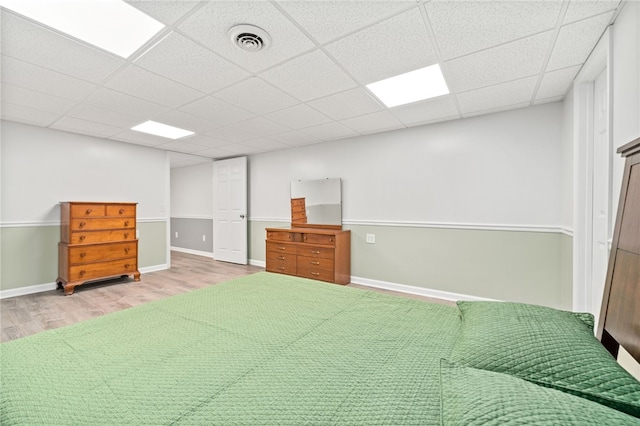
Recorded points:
(478, 397)
(545, 346)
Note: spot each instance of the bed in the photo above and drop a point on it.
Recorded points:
(271, 349)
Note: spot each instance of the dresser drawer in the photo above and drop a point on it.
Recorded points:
(319, 239)
(88, 210)
(280, 236)
(315, 262)
(85, 237)
(316, 251)
(281, 262)
(102, 223)
(103, 269)
(121, 210)
(277, 247)
(90, 253)
(316, 273)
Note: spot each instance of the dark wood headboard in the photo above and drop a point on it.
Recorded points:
(619, 323)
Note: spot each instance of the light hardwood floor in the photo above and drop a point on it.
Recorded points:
(25, 315)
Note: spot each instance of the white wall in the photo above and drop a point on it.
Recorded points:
(567, 159)
(41, 167)
(192, 191)
(497, 169)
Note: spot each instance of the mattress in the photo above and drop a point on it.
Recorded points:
(262, 349)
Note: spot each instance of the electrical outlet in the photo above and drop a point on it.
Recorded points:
(204, 238)
(371, 238)
(176, 234)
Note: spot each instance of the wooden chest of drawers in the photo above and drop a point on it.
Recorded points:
(97, 241)
(321, 254)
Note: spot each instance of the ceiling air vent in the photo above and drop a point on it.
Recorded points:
(249, 37)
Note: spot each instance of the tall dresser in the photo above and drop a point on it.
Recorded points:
(320, 254)
(97, 241)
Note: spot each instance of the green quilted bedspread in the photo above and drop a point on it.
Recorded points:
(265, 349)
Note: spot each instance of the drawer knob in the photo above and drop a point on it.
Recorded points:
(126, 223)
(315, 263)
(281, 257)
(121, 211)
(82, 224)
(126, 266)
(281, 268)
(314, 251)
(126, 250)
(281, 248)
(88, 211)
(330, 240)
(126, 235)
(82, 237)
(317, 274)
(83, 254)
(82, 273)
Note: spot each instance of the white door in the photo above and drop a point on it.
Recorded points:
(601, 190)
(230, 210)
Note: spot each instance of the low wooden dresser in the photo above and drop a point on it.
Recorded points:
(97, 241)
(320, 254)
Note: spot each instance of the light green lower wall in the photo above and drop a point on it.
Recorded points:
(530, 267)
(29, 254)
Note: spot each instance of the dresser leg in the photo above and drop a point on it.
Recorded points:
(68, 289)
(136, 276)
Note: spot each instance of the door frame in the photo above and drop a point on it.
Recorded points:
(583, 149)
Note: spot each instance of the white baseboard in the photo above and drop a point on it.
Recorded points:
(189, 251)
(420, 291)
(39, 288)
(260, 263)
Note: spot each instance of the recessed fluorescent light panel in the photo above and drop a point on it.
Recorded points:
(112, 25)
(159, 129)
(413, 86)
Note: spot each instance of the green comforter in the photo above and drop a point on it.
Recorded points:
(263, 349)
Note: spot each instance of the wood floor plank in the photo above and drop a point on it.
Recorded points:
(25, 315)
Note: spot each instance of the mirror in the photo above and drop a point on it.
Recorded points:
(316, 202)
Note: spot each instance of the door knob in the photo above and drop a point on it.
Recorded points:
(241, 216)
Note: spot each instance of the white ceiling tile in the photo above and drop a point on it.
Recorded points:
(139, 138)
(265, 144)
(347, 104)
(576, 41)
(180, 59)
(488, 98)
(231, 134)
(32, 43)
(119, 102)
(165, 11)
(185, 121)
(309, 76)
(76, 125)
(216, 111)
(340, 17)
(257, 96)
(426, 111)
(151, 87)
(521, 58)
(329, 131)
(375, 122)
(584, 8)
(210, 26)
(25, 97)
(240, 149)
(179, 159)
(215, 153)
(205, 141)
(104, 116)
(394, 46)
(27, 115)
(498, 109)
(463, 27)
(298, 117)
(43, 80)
(294, 138)
(260, 126)
(182, 146)
(556, 83)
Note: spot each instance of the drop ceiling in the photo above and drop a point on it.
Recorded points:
(308, 86)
